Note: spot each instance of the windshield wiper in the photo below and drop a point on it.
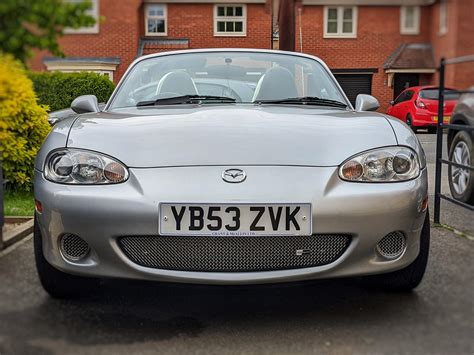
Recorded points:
(306, 100)
(186, 99)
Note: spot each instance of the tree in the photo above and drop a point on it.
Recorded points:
(37, 24)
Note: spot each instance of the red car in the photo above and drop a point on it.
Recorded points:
(418, 106)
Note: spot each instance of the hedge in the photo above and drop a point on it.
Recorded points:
(57, 90)
(23, 123)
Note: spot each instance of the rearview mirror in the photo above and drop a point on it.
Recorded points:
(366, 103)
(85, 104)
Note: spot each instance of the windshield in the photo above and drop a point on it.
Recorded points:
(226, 78)
(433, 94)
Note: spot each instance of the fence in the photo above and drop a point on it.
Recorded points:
(439, 139)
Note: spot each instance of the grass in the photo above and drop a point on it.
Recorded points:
(19, 203)
(454, 230)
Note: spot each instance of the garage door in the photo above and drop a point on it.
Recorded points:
(354, 84)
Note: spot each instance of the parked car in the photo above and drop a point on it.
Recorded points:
(178, 184)
(59, 115)
(461, 150)
(417, 106)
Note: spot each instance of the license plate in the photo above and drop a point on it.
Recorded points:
(235, 219)
(446, 119)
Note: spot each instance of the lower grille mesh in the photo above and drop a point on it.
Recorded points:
(234, 254)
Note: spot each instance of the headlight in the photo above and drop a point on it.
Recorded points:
(74, 166)
(389, 164)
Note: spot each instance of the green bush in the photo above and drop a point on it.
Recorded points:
(57, 90)
(23, 123)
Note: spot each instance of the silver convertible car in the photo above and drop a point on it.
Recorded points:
(230, 167)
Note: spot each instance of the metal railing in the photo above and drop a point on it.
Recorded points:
(439, 139)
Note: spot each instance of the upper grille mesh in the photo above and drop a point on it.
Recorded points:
(74, 247)
(234, 254)
(392, 245)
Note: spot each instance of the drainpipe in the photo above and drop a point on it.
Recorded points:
(286, 22)
(300, 28)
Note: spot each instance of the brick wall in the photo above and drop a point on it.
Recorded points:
(378, 35)
(120, 32)
(196, 22)
(458, 41)
(118, 37)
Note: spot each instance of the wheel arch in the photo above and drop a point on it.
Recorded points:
(459, 120)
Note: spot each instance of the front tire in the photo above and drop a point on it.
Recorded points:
(406, 279)
(461, 181)
(56, 283)
(432, 130)
(409, 121)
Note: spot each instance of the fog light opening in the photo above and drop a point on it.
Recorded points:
(73, 248)
(392, 246)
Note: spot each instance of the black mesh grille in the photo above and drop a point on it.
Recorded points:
(74, 247)
(392, 245)
(234, 254)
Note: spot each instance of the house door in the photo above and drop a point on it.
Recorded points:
(403, 81)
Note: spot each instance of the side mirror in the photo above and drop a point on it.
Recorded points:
(366, 103)
(85, 104)
(392, 102)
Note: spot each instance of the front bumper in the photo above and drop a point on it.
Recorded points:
(101, 214)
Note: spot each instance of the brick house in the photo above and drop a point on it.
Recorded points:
(377, 47)
(380, 47)
(135, 27)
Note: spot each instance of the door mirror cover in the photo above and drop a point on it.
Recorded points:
(366, 103)
(85, 104)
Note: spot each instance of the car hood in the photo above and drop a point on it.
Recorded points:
(231, 135)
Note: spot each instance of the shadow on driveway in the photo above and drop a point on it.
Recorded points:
(127, 312)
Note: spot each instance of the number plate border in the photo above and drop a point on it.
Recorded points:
(233, 204)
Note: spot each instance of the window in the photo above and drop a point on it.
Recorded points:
(101, 65)
(443, 17)
(155, 20)
(409, 95)
(93, 11)
(244, 76)
(433, 94)
(108, 73)
(410, 20)
(340, 21)
(230, 20)
(404, 96)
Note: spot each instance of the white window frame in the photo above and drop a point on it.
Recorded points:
(443, 17)
(102, 69)
(242, 18)
(108, 73)
(164, 17)
(415, 30)
(94, 12)
(340, 21)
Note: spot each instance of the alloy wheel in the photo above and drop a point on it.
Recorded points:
(460, 176)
